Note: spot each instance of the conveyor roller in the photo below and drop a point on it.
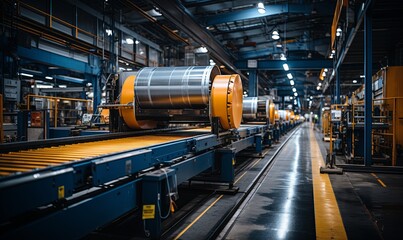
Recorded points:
(28, 160)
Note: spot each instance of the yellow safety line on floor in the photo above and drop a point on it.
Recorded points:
(328, 221)
(198, 217)
(379, 180)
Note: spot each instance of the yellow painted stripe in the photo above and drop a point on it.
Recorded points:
(328, 221)
(379, 180)
(240, 177)
(198, 217)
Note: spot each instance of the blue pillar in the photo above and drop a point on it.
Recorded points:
(253, 84)
(368, 87)
(97, 90)
(338, 85)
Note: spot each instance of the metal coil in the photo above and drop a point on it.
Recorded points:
(174, 87)
(256, 107)
(249, 108)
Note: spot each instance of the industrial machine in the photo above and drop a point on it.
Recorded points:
(348, 130)
(45, 186)
(159, 96)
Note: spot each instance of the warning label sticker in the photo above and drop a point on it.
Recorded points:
(148, 212)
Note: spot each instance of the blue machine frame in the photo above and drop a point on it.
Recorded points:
(99, 190)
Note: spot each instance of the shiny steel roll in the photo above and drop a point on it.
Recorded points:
(263, 105)
(249, 108)
(174, 87)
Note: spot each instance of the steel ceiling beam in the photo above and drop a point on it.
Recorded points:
(271, 10)
(175, 12)
(52, 59)
(278, 64)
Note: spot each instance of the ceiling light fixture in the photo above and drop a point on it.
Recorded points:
(108, 32)
(275, 35)
(354, 81)
(260, 8)
(325, 70)
(285, 66)
(294, 89)
(324, 74)
(289, 75)
(48, 77)
(137, 42)
(282, 57)
(319, 84)
(296, 94)
(318, 88)
(129, 41)
(292, 82)
(362, 76)
(26, 75)
(338, 32)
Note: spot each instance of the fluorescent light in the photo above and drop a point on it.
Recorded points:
(292, 82)
(260, 8)
(362, 76)
(108, 32)
(137, 42)
(50, 78)
(285, 66)
(294, 89)
(338, 32)
(289, 75)
(291, 97)
(62, 86)
(296, 94)
(129, 41)
(275, 35)
(279, 45)
(26, 75)
(43, 86)
(282, 57)
(354, 81)
(201, 50)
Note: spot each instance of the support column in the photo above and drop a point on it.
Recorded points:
(337, 85)
(253, 83)
(368, 87)
(97, 91)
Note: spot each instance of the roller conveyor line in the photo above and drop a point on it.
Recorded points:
(28, 160)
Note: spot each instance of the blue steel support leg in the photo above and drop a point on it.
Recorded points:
(226, 157)
(253, 83)
(258, 143)
(368, 87)
(155, 201)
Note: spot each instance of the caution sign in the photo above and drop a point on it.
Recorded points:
(148, 212)
(60, 192)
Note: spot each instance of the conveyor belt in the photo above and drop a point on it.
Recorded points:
(32, 159)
